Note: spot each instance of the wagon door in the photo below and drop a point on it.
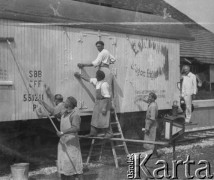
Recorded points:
(6, 84)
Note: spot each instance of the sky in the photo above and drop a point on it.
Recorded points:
(201, 11)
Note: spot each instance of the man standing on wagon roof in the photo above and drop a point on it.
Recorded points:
(103, 60)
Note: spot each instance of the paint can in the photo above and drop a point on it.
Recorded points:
(20, 171)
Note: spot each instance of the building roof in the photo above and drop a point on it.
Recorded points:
(92, 16)
(202, 47)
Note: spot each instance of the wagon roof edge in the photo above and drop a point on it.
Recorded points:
(78, 14)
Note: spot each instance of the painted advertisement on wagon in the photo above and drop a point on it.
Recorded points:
(147, 71)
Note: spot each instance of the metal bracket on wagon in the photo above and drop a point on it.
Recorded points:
(5, 39)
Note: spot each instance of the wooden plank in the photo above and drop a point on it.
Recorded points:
(191, 124)
(128, 140)
(198, 129)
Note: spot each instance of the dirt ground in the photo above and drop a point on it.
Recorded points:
(43, 167)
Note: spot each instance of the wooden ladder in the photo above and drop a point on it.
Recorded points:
(117, 132)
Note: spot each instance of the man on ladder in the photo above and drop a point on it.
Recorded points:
(103, 61)
(101, 112)
(101, 117)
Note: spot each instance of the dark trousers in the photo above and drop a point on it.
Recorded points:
(94, 131)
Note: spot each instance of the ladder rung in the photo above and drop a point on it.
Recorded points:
(95, 154)
(114, 123)
(117, 134)
(117, 146)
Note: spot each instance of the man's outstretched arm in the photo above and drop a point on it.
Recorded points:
(49, 94)
(81, 65)
(47, 107)
(82, 76)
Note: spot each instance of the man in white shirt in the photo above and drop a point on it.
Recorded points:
(101, 112)
(103, 60)
(189, 90)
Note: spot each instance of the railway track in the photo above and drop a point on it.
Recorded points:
(195, 135)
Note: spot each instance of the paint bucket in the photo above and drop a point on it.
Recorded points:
(19, 171)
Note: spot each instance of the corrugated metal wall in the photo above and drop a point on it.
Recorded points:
(49, 55)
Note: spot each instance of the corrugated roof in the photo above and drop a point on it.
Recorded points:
(95, 17)
(202, 47)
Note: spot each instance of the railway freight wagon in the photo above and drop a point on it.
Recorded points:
(48, 40)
